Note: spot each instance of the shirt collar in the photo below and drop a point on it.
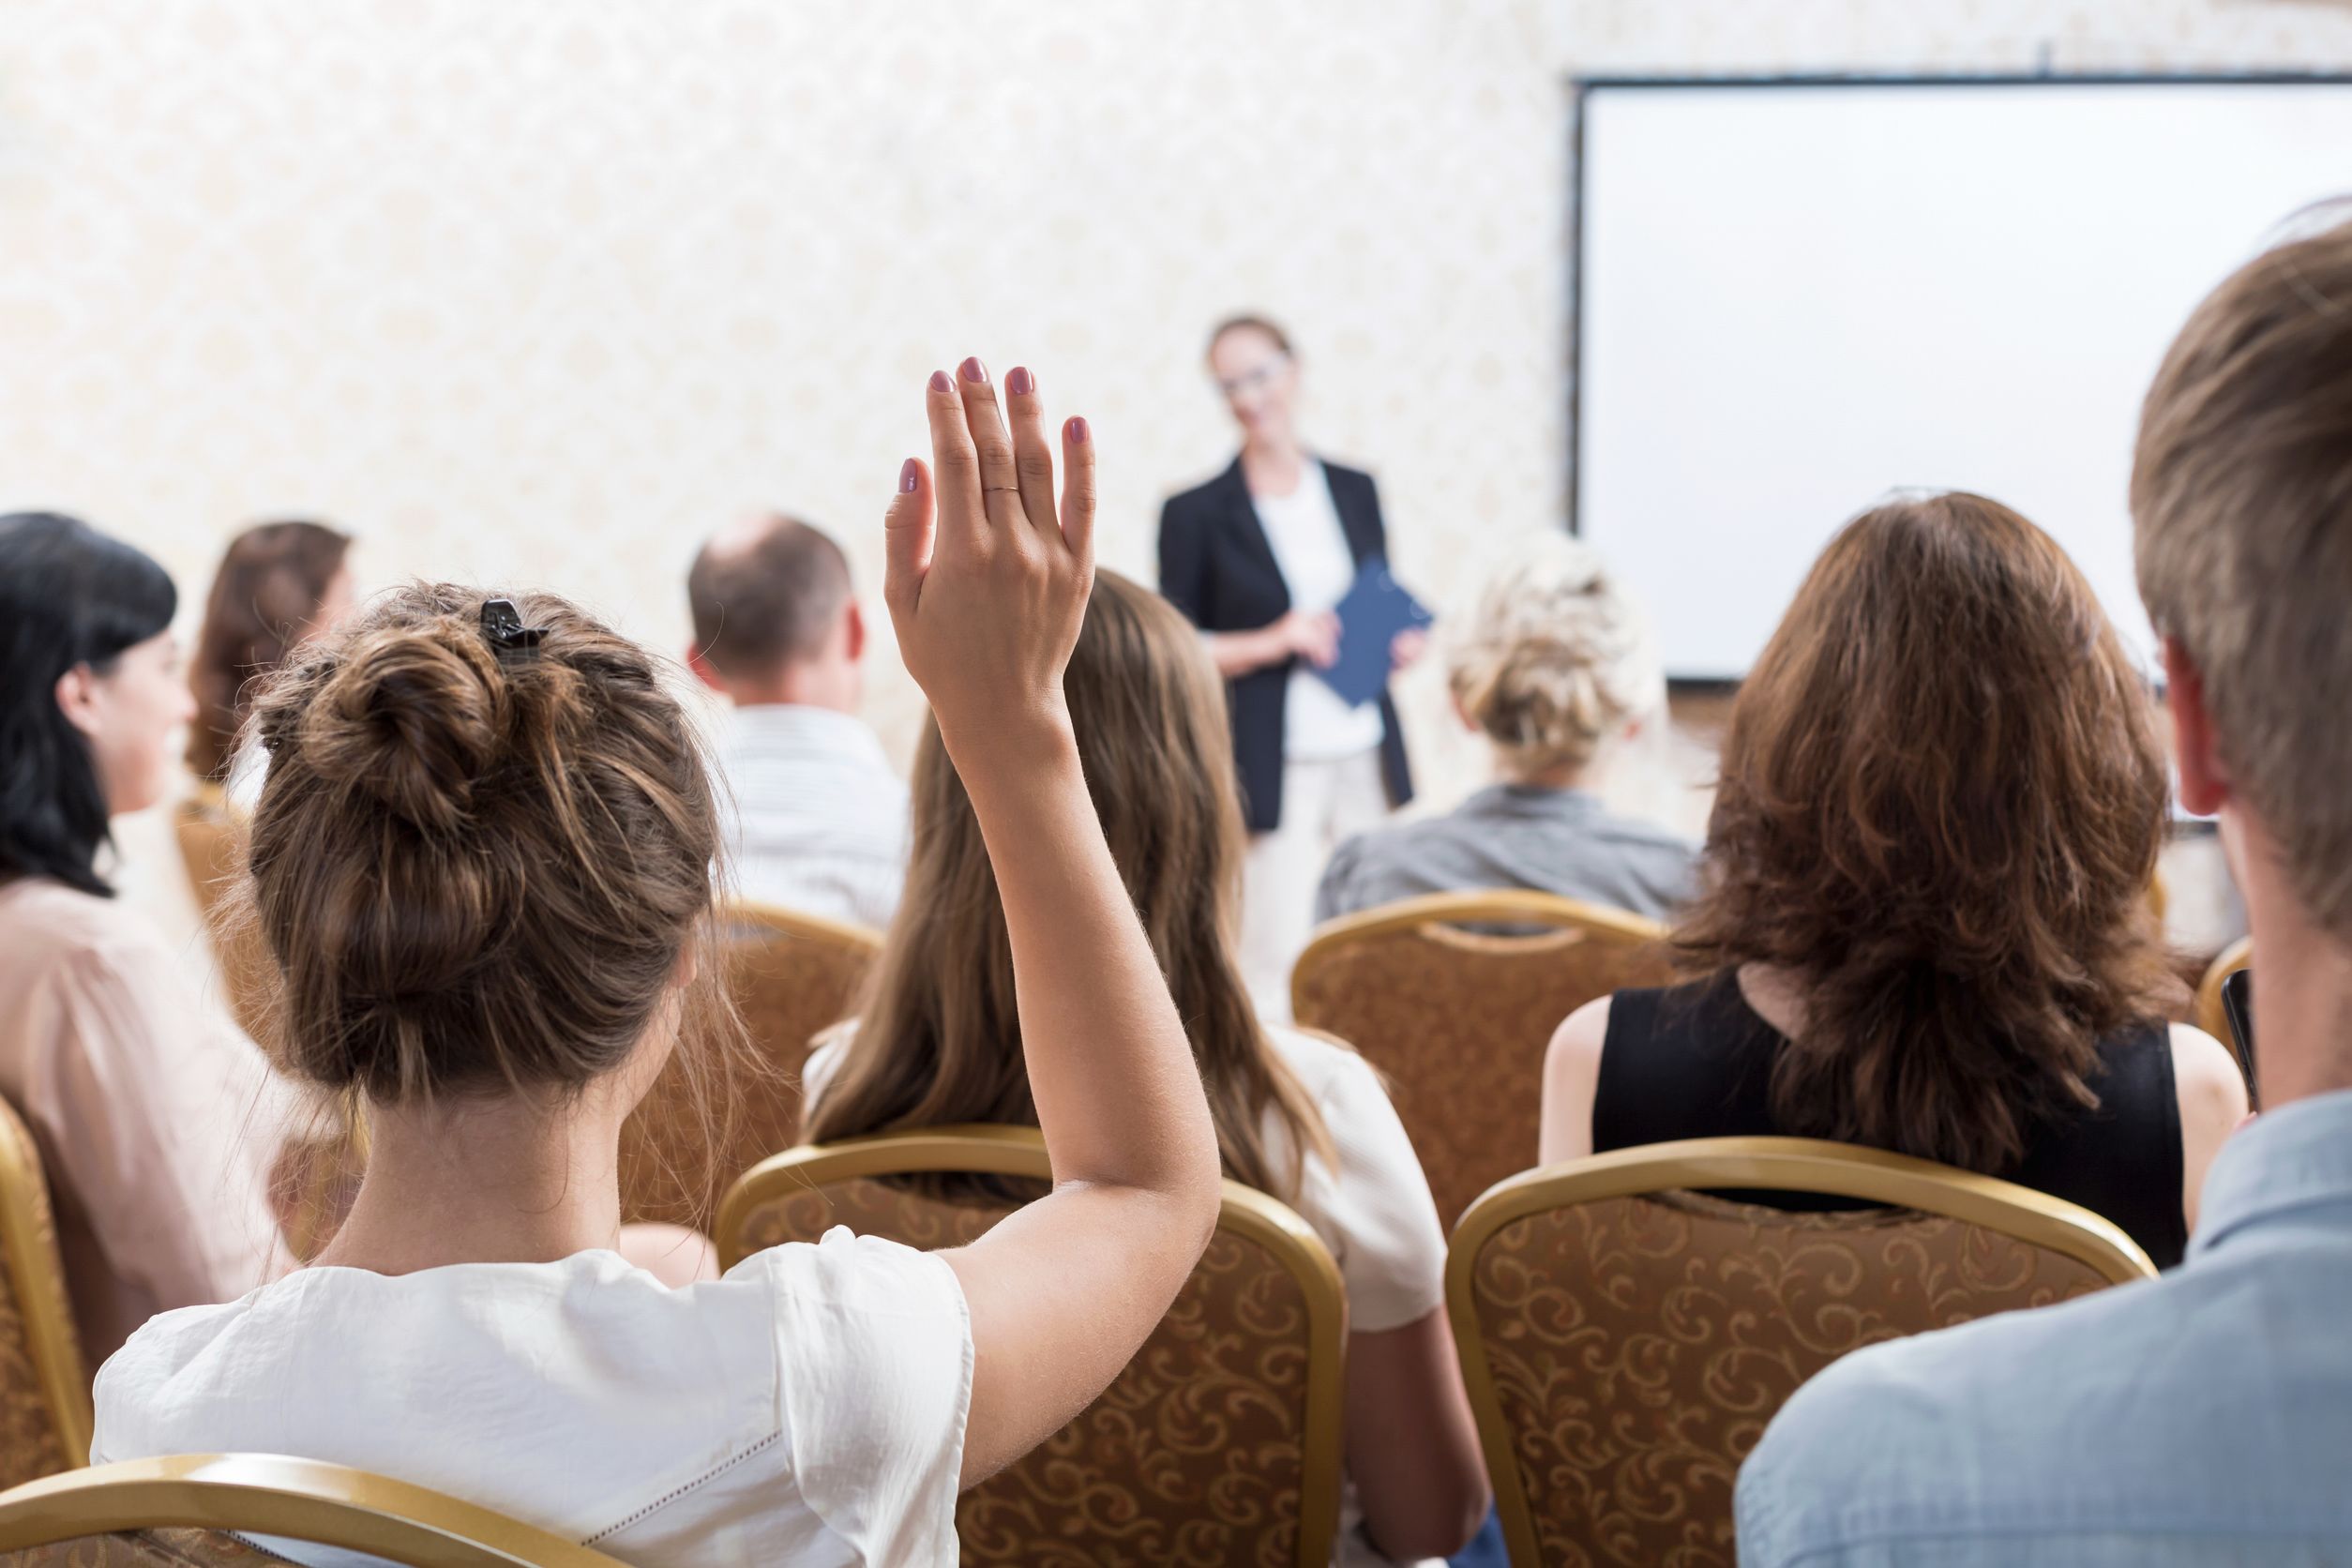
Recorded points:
(1531, 800)
(2283, 1159)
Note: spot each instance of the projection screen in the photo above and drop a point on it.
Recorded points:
(1793, 298)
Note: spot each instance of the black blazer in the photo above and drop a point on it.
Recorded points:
(1216, 567)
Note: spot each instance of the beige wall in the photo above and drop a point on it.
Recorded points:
(542, 292)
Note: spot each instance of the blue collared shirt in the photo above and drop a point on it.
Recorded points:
(2204, 1417)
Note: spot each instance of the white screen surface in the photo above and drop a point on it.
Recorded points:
(1795, 299)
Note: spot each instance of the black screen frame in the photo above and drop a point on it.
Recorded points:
(1582, 88)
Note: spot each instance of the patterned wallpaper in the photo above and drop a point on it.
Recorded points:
(544, 291)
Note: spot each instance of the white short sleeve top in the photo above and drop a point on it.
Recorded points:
(1373, 1208)
(808, 1408)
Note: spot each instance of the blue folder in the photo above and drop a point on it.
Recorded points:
(1373, 613)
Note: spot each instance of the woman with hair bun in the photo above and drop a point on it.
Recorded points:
(483, 859)
(1923, 921)
(157, 1122)
(1554, 665)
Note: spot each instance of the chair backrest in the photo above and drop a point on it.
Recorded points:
(212, 837)
(1626, 1336)
(181, 1513)
(1454, 997)
(791, 975)
(44, 1386)
(2208, 1014)
(1221, 1440)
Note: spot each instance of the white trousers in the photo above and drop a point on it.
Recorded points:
(1322, 803)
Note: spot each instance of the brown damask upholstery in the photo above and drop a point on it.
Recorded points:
(1457, 1019)
(148, 1548)
(44, 1386)
(212, 838)
(1218, 1445)
(792, 977)
(1630, 1349)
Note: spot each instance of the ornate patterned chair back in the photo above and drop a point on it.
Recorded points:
(791, 976)
(180, 1512)
(1220, 1442)
(44, 1387)
(211, 836)
(2208, 1014)
(1626, 1337)
(1454, 997)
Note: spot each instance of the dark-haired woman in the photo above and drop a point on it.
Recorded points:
(1923, 915)
(155, 1120)
(279, 584)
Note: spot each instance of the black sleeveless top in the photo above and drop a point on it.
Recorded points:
(1696, 1061)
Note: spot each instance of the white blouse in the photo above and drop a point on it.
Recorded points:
(807, 1408)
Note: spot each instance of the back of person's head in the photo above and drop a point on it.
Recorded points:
(940, 1039)
(1940, 806)
(1552, 660)
(2243, 495)
(477, 864)
(766, 594)
(69, 596)
(272, 590)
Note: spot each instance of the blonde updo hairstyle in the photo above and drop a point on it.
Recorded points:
(1552, 660)
(478, 866)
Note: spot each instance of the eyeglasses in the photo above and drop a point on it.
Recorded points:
(1254, 380)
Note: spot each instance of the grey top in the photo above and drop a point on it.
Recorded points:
(1561, 841)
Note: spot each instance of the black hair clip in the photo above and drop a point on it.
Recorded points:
(502, 623)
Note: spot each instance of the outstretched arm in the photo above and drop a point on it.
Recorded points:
(988, 582)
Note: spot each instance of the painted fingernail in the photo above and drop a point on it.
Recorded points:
(1076, 430)
(1020, 383)
(975, 370)
(906, 472)
(940, 382)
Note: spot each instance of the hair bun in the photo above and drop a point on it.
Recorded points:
(412, 717)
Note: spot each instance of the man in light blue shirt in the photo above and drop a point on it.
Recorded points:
(2204, 1417)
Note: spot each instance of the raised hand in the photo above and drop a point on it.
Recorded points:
(986, 578)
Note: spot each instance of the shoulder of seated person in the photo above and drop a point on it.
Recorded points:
(1582, 1032)
(49, 920)
(2208, 1070)
(1321, 1062)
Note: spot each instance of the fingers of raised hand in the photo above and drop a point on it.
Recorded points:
(907, 529)
(999, 483)
(962, 518)
(1032, 459)
(1077, 488)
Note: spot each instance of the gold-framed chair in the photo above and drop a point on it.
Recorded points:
(191, 1511)
(211, 834)
(1454, 997)
(1626, 1336)
(44, 1384)
(2209, 1013)
(792, 975)
(1221, 1441)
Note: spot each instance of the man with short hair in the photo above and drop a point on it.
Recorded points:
(2204, 1417)
(818, 820)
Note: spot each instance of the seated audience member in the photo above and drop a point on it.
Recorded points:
(157, 1122)
(1925, 908)
(484, 860)
(278, 585)
(2204, 1417)
(817, 820)
(1298, 1116)
(1555, 666)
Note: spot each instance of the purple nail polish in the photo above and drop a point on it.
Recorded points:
(1077, 433)
(908, 474)
(940, 382)
(975, 370)
(1020, 383)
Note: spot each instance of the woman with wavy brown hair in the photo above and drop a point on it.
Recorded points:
(280, 584)
(1923, 921)
(1299, 1116)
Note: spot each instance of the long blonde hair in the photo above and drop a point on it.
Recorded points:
(938, 1040)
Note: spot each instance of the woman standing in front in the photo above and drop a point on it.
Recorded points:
(1257, 558)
